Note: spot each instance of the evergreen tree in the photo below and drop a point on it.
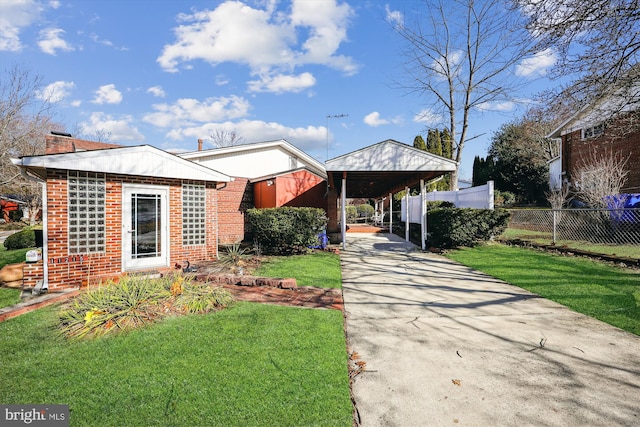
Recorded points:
(418, 142)
(447, 144)
(434, 145)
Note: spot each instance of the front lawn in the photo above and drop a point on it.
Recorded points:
(250, 365)
(602, 291)
(320, 269)
(11, 257)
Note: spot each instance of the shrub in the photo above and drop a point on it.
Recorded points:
(365, 210)
(286, 230)
(136, 301)
(21, 240)
(450, 228)
(352, 213)
(503, 198)
(439, 204)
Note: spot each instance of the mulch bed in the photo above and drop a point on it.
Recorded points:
(304, 296)
(271, 290)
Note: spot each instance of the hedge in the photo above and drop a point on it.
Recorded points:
(450, 228)
(286, 230)
(21, 240)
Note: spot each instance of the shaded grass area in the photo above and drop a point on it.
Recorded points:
(605, 292)
(319, 269)
(245, 366)
(546, 238)
(9, 297)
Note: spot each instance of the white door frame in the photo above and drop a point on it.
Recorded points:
(131, 261)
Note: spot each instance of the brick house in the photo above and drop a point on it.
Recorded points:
(109, 211)
(593, 128)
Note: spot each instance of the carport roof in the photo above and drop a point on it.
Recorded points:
(386, 167)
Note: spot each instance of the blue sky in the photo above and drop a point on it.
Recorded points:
(166, 73)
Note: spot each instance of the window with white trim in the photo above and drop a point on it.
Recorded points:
(193, 214)
(87, 193)
(593, 131)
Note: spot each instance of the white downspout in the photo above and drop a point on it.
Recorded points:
(45, 223)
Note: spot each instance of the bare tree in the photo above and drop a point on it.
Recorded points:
(25, 117)
(599, 176)
(221, 137)
(597, 42)
(460, 55)
(98, 135)
(558, 197)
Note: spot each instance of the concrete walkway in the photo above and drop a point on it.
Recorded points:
(445, 345)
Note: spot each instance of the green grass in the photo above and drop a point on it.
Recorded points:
(320, 269)
(607, 293)
(250, 365)
(9, 296)
(546, 238)
(11, 257)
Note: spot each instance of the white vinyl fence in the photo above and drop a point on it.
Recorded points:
(480, 197)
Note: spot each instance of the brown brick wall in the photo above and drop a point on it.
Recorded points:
(79, 269)
(234, 198)
(627, 144)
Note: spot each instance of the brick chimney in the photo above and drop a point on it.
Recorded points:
(59, 143)
(200, 145)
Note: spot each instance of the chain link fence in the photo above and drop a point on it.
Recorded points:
(600, 226)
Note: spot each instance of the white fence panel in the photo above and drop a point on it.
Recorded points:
(480, 197)
(414, 210)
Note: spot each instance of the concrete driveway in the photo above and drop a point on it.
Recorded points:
(445, 345)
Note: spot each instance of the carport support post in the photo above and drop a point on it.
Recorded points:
(408, 214)
(343, 210)
(390, 212)
(423, 213)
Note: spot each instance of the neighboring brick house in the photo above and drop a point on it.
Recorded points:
(265, 175)
(115, 210)
(591, 129)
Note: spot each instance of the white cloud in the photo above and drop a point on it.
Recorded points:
(50, 41)
(107, 94)
(283, 83)
(56, 91)
(275, 45)
(394, 17)
(106, 42)
(536, 65)
(497, 106)
(373, 119)
(120, 128)
(156, 91)
(54, 4)
(14, 16)
(305, 138)
(190, 112)
(428, 117)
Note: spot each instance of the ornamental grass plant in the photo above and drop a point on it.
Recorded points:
(135, 301)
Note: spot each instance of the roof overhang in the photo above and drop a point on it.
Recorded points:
(143, 160)
(285, 173)
(386, 167)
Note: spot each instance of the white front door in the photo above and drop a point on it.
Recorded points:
(145, 237)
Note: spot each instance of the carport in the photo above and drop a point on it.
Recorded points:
(379, 171)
